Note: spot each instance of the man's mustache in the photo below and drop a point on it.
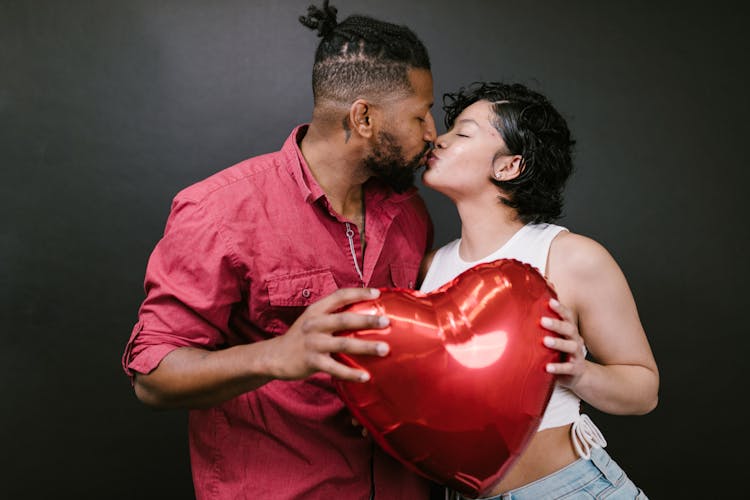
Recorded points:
(421, 159)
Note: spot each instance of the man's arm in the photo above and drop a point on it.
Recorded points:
(196, 378)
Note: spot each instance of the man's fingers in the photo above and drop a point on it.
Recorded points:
(362, 431)
(324, 343)
(327, 364)
(344, 297)
(338, 322)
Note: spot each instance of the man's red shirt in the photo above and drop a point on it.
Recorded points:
(243, 253)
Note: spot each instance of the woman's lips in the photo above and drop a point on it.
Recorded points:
(432, 158)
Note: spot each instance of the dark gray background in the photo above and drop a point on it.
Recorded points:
(107, 109)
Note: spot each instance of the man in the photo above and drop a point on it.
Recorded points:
(241, 292)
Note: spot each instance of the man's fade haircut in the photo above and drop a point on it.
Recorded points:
(532, 128)
(361, 56)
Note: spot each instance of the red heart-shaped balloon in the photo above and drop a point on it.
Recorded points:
(464, 386)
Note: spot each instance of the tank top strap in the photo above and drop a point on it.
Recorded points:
(532, 245)
(443, 268)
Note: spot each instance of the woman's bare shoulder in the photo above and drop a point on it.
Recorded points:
(579, 256)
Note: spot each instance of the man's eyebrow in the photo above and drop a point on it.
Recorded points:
(468, 120)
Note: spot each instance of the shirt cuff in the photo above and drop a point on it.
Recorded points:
(146, 360)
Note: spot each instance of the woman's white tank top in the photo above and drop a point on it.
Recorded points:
(530, 244)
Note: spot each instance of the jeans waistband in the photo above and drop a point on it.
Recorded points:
(580, 473)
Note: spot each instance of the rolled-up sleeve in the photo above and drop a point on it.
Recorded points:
(191, 285)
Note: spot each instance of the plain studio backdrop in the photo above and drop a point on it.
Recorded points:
(108, 109)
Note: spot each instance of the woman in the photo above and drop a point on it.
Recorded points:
(504, 162)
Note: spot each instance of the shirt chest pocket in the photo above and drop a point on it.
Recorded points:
(404, 275)
(300, 289)
(290, 294)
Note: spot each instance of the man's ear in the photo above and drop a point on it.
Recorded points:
(507, 167)
(360, 117)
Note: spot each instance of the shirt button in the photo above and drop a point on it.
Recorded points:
(411, 284)
(306, 293)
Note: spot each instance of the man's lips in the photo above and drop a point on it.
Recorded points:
(432, 157)
(426, 155)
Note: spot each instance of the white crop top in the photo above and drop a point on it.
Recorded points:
(530, 244)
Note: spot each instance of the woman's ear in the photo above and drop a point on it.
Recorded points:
(507, 167)
(360, 117)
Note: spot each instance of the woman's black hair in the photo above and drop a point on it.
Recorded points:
(361, 55)
(532, 128)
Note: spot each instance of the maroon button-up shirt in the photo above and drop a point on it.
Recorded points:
(243, 253)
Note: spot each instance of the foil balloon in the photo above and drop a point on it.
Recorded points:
(464, 386)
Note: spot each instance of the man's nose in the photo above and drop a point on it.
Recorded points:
(430, 133)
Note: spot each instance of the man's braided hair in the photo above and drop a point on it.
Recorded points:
(361, 56)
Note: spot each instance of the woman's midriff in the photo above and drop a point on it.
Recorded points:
(548, 451)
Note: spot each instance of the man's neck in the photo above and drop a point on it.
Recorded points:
(337, 167)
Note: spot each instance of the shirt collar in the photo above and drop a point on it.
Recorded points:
(298, 168)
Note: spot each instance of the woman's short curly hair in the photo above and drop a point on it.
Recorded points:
(532, 128)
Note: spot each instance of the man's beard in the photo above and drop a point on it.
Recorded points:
(387, 162)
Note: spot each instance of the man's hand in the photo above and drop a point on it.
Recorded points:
(356, 423)
(307, 346)
(196, 378)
